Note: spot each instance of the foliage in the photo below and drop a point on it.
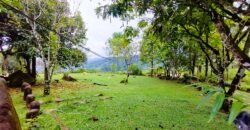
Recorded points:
(225, 17)
(113, 68)
(122, 45)
(212, 25)
(135, 69)
(47, 26)
(237, 106)
(68, 58)
(217, 105)
(80, 70)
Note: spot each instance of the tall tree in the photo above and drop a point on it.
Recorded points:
(122, 45)
(200, 20)
(224, 14)
(148, 50)
(56, 21)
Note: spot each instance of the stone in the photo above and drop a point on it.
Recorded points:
(33, 113)
(29, 98)
(17, 78)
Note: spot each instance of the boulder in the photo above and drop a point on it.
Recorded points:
(29, 98)
(17, 78)
(24, 85)
(27, 91)
(187, 79)
(35, 105)
(66, 77)
(32, 113)
(8, 117)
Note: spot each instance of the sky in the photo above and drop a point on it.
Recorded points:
(98, 30)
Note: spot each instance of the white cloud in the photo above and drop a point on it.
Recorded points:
(99, 30)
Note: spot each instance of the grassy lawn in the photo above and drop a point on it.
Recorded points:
(144, 103)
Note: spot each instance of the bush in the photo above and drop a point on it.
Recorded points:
(92, 71)
(81, 70)
(135, 70)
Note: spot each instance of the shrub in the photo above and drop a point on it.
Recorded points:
(91, 70)
(135, 70)
(81, 70)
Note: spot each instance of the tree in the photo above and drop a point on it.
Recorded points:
(57, 21)
(200, 20)
(148, 50)
(12, 35)
(47, 25)
(70, 57)
(223, 14)
(122, 45)
(170, 49)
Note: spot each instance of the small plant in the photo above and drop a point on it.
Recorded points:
(237, 103)
(237, 106)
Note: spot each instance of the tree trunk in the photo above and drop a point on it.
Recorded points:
(193, 64)
(199, 70)
(33, 73)
(206, 69)
(168, 73)
(152, 68)
(221, 82)
(236, 81)
(221, 79)
(166, 70)
(127, 67)
(226, 106)
(27, 59)
(127, 77)
(46, 81)
(5, 65)
(8, 116)
(242, 58)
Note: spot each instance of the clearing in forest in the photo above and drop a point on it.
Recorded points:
(144, 103)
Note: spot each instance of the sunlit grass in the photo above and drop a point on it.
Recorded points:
(144, 103)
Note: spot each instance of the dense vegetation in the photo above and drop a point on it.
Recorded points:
(34, 29)
(180, 33)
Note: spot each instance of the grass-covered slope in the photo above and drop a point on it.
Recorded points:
(144, 103)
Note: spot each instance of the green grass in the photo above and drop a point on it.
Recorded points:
(144, 103)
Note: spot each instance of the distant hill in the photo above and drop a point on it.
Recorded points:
(105, 65)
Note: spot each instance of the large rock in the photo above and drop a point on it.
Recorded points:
(189, 79)
(17, 78)
(66, 77)
(8, 117)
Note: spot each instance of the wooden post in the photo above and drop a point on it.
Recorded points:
(8, 117)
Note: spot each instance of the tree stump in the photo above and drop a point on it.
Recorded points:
(226, 106)
(8, 117)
